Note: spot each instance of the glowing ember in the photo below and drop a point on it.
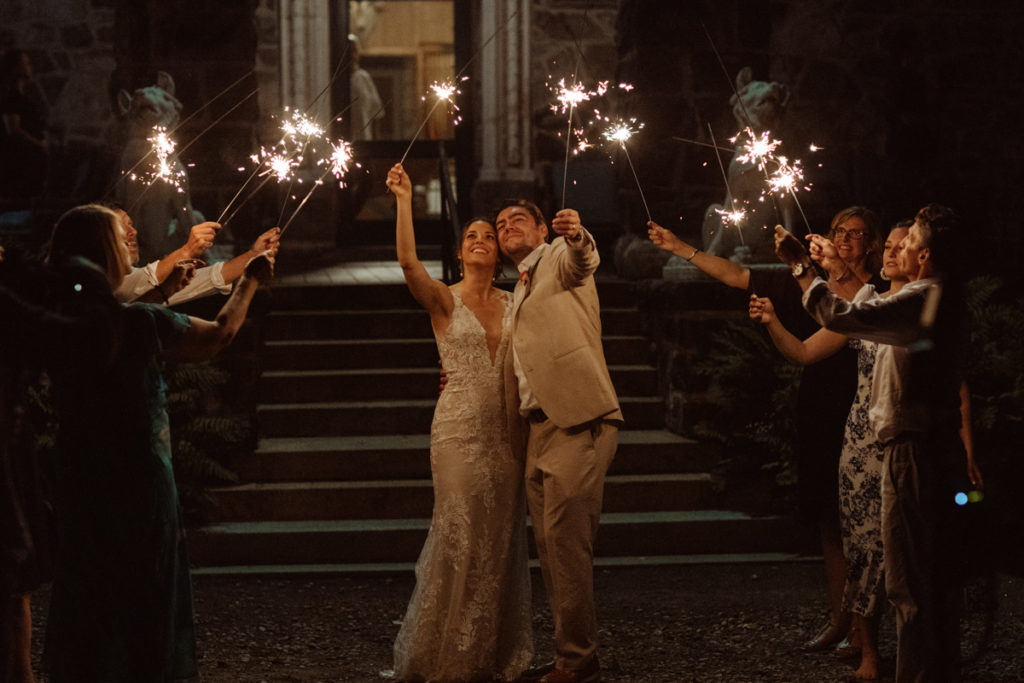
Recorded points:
(620, 131)
(338, 162)
(786, 177)
(758, 150)
(570, 96)
(735, 217)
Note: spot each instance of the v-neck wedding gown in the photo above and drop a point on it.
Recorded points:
(469, 616)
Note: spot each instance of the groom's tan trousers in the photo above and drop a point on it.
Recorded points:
(565, 470)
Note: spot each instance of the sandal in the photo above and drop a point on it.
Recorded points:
(829, 635)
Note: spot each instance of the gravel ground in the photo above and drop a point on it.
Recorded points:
(735, 623)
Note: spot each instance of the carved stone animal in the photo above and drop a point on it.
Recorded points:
(759, 106)
(161, 211)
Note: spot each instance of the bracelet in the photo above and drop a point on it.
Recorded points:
(160, 289)
(695, 252)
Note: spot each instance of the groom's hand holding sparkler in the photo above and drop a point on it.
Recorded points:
(567, 224)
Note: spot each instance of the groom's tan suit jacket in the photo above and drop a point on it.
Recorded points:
(556, 331)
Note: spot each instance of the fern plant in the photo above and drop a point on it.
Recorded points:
(752, 400)
(206, 435)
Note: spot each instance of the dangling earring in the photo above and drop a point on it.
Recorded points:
(461, 274)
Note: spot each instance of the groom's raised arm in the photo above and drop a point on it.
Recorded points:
(581, 259)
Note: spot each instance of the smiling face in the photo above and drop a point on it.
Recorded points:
(890, 257)
(851, 239)
(479, 245)
(130, 235)
(519, 232)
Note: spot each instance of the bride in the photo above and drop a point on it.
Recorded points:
(469, 616)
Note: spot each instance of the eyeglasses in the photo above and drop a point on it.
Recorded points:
(855, 235)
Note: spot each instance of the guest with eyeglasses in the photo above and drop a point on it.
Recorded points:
(826, 391)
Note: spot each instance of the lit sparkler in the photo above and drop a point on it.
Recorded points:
(337, 163)
(735, 217)
(444, 91)
(621, 132)
(758, 150)
(732, 215)
(786, 177)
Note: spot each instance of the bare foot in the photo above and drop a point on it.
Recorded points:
(868, 670)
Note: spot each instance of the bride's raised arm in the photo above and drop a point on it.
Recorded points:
(432, 294)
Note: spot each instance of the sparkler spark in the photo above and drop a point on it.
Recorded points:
(339, 159)
(735, 217)
(786, 177)
(758, 150)
(569, 96)
(620, 131)
(445, 91)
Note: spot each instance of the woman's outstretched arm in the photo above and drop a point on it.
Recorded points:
(723, 270)
(818, 346)
(432, 294)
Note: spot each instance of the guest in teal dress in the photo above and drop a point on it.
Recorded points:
(121, 605)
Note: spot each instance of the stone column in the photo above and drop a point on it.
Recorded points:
(506, 166)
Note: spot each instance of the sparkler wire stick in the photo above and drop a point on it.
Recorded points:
(725, 178)
(214, 99)
(427, 119)
(620, 132)
(568, 132)
(224, 221)
(739, 100)
(244, 185)
(641, 190)
(304, 200)
(702, 144)
(219, 119)
(457, 78)
(183, 122)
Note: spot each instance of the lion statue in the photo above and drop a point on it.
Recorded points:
(161, 210)
(759, 106)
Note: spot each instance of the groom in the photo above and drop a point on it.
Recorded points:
(573, 416)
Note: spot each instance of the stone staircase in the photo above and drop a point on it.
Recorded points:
(340, 480)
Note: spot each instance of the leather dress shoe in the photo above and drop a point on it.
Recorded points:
(589, 673)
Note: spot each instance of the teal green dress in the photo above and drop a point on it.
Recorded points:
(121, 605)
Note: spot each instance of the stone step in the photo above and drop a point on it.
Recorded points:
(611, 291)
(351, 418)
(401, 323)
(315, 571)
(341, 354)
(621, 535)
(307, 386)
(413, 498)
(349, 458)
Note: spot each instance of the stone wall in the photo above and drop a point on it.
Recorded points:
(71, 47)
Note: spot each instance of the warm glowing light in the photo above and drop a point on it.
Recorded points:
(758, 150)
(735, 217)
(621, 131)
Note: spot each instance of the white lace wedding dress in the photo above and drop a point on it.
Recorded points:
(469, 616)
